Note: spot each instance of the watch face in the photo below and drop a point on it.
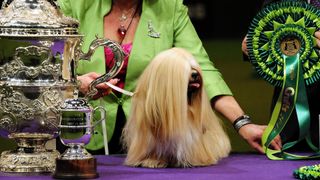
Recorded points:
(290, 46)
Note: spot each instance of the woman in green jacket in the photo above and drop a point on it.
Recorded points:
(144, 28)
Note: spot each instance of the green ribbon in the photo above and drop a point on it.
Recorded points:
(293, 95)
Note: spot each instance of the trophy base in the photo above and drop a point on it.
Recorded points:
(22, 162)
(31, 156)
(76, 169)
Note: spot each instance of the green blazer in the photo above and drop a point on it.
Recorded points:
(167, 17)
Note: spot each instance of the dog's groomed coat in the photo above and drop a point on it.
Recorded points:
(169, 126)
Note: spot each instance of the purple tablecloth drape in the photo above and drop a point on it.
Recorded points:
(236, 166)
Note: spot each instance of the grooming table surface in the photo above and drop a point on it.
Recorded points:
(236, 166)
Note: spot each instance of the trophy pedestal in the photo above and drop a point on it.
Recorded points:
(39, 162)
(31, 156)
(76, 163)
(76, 169)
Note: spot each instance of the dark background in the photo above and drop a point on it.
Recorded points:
(222, 19)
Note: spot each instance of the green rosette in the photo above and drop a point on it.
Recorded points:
(279, 23)
(283, 50)
(307, 172)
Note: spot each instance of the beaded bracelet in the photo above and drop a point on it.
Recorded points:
(241, 121)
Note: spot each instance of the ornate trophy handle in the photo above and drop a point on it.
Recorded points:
(103, 115)
(119, 56)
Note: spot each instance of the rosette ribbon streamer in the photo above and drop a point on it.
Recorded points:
(282, 48)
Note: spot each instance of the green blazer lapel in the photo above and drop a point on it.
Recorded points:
(105, 7)
(144, 46)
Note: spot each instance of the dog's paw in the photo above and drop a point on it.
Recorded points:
(154, 163)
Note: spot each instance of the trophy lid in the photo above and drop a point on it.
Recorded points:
(35, 18)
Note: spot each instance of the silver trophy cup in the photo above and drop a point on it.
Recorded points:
(75, 131)
(39, 52)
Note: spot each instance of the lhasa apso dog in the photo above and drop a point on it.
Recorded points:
(171, 123)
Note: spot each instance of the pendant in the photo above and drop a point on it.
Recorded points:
(123, 17)
(122, 31)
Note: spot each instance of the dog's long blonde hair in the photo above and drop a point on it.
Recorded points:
(163, 126)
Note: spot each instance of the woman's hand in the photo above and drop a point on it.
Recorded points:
(102, 88)
(244, 46)
(252, 133)
(317, 35)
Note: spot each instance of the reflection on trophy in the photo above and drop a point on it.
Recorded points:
(39, 51)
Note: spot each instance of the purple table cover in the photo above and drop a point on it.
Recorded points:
(236, 166)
